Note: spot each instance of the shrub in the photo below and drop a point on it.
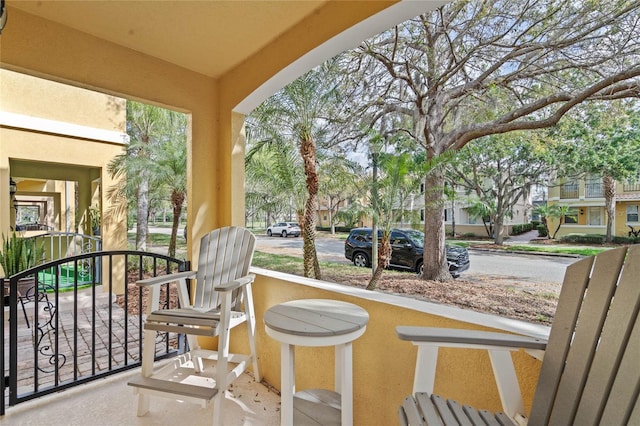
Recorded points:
(346, 229)
(623, 240)
(521, 229)
(469, 235)
(583, 238)
(542, 231)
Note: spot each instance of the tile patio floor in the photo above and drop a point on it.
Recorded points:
(110, 401)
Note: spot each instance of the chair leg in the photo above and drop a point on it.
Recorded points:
(251, 330)
(218, 401)
(148, 357)
(148, 351)
(222, 365)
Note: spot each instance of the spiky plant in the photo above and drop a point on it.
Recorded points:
(18, 254)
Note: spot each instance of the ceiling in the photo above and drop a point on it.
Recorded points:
(245, 26)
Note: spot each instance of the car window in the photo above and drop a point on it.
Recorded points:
(359, 236)
(416, 237)
(398, 239)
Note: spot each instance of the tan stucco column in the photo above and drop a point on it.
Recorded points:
(5, 203)
(238, 144)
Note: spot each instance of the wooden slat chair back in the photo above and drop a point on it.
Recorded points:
(221, 300)
(225, 255)
(590, 373)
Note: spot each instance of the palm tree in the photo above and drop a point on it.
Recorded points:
(148, 127)
(274, 180)
(399, 173)
(298, 116)
(172, 171)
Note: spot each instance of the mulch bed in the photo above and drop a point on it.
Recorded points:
(535, 303)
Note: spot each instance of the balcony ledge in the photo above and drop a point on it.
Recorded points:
(486, 320)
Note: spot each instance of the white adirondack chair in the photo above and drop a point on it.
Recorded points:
(221, 301)
(591, 364)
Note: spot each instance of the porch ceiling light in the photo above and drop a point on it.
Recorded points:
(13, 188)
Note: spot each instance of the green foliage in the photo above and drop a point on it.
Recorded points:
(542, 231)
(152, 170)
(583, 238)
(625, 240)
(95, 216)
(18, 254)
(604, 139)
(581, 251)
(521, 229)
(337, 228)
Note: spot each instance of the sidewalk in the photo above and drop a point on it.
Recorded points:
(522, 238)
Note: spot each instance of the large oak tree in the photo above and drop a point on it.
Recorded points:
(476, 68)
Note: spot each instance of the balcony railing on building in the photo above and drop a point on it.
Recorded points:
(631, 187)
(569, 190)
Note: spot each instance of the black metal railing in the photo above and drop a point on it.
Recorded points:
(569, 190)
(63, 332)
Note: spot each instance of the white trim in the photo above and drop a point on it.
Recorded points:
(458, 314)
(61, 128)
(348, 39)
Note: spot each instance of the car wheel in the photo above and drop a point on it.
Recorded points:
(284, 234)
(360, 259)
(268, 232)
(420, 268)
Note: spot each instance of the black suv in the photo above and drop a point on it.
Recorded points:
(407, 248)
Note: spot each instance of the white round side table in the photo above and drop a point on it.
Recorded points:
(317, 322)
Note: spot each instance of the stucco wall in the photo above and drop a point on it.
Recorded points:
(50, 135)
(383, 365)
(36, 97)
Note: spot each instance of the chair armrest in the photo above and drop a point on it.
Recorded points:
(232, 285)
(456, 337)
(499, 346)
(163, 279)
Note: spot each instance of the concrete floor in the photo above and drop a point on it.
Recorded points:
(112, 402)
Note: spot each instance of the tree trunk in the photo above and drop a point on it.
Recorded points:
(310, 257)
(609, 187)
(435, 255)
(177, 201)
(453, 218)
(374, 219)
(142, 222)
(498, 221)
(498, 230)
(384, 258)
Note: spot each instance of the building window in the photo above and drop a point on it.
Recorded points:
(421, 215)
(632, 213)
(595, 216)
(448, 214)
(571, 216)
(422, 188)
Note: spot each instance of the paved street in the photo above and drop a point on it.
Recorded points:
(541, 268)
(548, 269)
